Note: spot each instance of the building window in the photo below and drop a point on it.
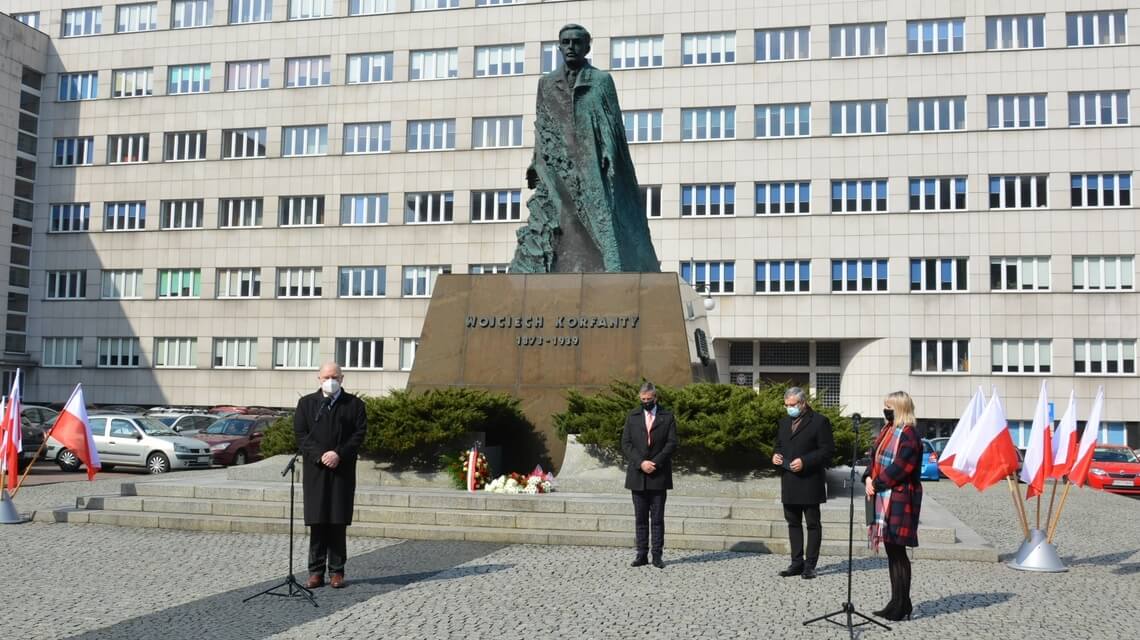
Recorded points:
(710, 277)
(783, 197)
(78, 86)
(1104, 273)
(181, 214)
(296, 353)
(71, 217)
(858, 117)
(128, 149)
(188, 78)
(432, 5)
(132, 83)
(1091, 190)
(367, 68)
(427, 208)
(239, 283)
(940, 356)
(499, 60)
(246, 11)
(370, 7)
(1021, 356)
(783, 120)
(136, 17)
(238, 144)
(247, 76)
(184, 146)
(938, 274)
(435, 64)
(552, 57)
(783, 276)
(1096, 28)
(740, 354)
(1098, 108)
(431, 135)
(491, 133)
(299, 282)
(1019, 192)
(364, 209)
(863, 275)
(66, 285)
(493, 3)
(419, 281)
(31, 18)
(1015, 32)
(650, 199)
(186, 14)
(235, 353)
(637, 53)
(936, 114)
(408, 348)
(302, 211)
(367, 137)
(309, 9)
(1019, 273)
(308, 72)
(360, 353)
(935, 36)
(122, 284)
(857, 40)
(482, 269)
(304, 141)
(240, 212)
(118, 352)
(859, 196)
(775, 45)
(708, 48)
(87, 21)
(74, 152)
(938, 194)
(716, 123)
(1104, 357)
(179, 283)
(496, 206)
(125, 216)
(1016, 111)
(62, 352)
(708, 200)
(361, 282)
(642, 126)
(176, 353)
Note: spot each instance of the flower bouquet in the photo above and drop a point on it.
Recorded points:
(458, 468)
(532, 483)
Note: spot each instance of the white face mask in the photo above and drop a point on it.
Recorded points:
(330, 386)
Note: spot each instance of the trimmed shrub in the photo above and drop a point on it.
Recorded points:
(279, 438)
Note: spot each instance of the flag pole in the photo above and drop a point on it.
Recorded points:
(1038, 527)
(1052, 499)
(1060, 507)
(1016, 495)
(28, 469)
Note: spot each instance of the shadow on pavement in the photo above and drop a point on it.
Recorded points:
(712, 556)
(858, 564)
(959, 602)
(371, 574)
(1104, 560)
(1127, 569)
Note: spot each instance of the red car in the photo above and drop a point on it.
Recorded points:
(236, 439)
(1115, 469)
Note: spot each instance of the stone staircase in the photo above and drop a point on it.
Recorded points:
(701, 523)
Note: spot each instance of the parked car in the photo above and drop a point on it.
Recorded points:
(929, 462)
(237, 439)
(135, 441)
(41, 416)
(939, 444)
(32, 436)
(1115, 469)
(187, 424)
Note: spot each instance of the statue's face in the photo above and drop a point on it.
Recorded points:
(574, 45)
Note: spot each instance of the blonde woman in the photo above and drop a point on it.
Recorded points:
(892, 481)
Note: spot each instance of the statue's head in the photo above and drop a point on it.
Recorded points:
(574, 43)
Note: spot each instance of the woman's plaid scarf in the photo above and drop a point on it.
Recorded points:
(885, 455)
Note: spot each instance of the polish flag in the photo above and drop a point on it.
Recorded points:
(955, 445)
(1065, 440)
(1039, 455)
(11, 434)
(72, 430)
(991, 454)
(1079, 474)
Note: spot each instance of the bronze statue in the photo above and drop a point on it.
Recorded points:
(586, 213)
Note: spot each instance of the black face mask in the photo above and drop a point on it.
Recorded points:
(648, 406)
(889, 414)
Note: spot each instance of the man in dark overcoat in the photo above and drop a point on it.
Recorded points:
(804, 446)
(330, 426)
(648, 442)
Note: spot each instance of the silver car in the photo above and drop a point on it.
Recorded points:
(135, 441)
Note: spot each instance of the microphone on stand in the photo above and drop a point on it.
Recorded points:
(326, 405)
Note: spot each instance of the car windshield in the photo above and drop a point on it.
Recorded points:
(1114, 455)
(167, 420)
(153, 427)
(230, 427)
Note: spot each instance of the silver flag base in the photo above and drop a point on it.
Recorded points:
(8, 514)
(1037, 554)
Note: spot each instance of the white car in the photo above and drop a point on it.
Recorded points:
(135, 441)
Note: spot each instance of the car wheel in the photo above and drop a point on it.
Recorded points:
(107, 467)
(67, 460)
(239, 458)
(157, 463)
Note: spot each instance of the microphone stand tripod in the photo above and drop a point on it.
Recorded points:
(849, 608)
(293, 588)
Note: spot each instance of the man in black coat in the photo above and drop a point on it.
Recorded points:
(804, 446)
(330, 426)
(648, 442)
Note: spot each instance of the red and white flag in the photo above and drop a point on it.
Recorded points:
(1039, 454)
(991, 454)
(11, 434)
(72, 430)
(1079, 474)
(957, 442)
(1065, 440)
(472, 463)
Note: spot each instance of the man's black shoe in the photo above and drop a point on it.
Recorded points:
(639, 561)
(792, 570)
(809, 573)
(659, 563)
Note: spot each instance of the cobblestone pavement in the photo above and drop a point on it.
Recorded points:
(90, 581)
